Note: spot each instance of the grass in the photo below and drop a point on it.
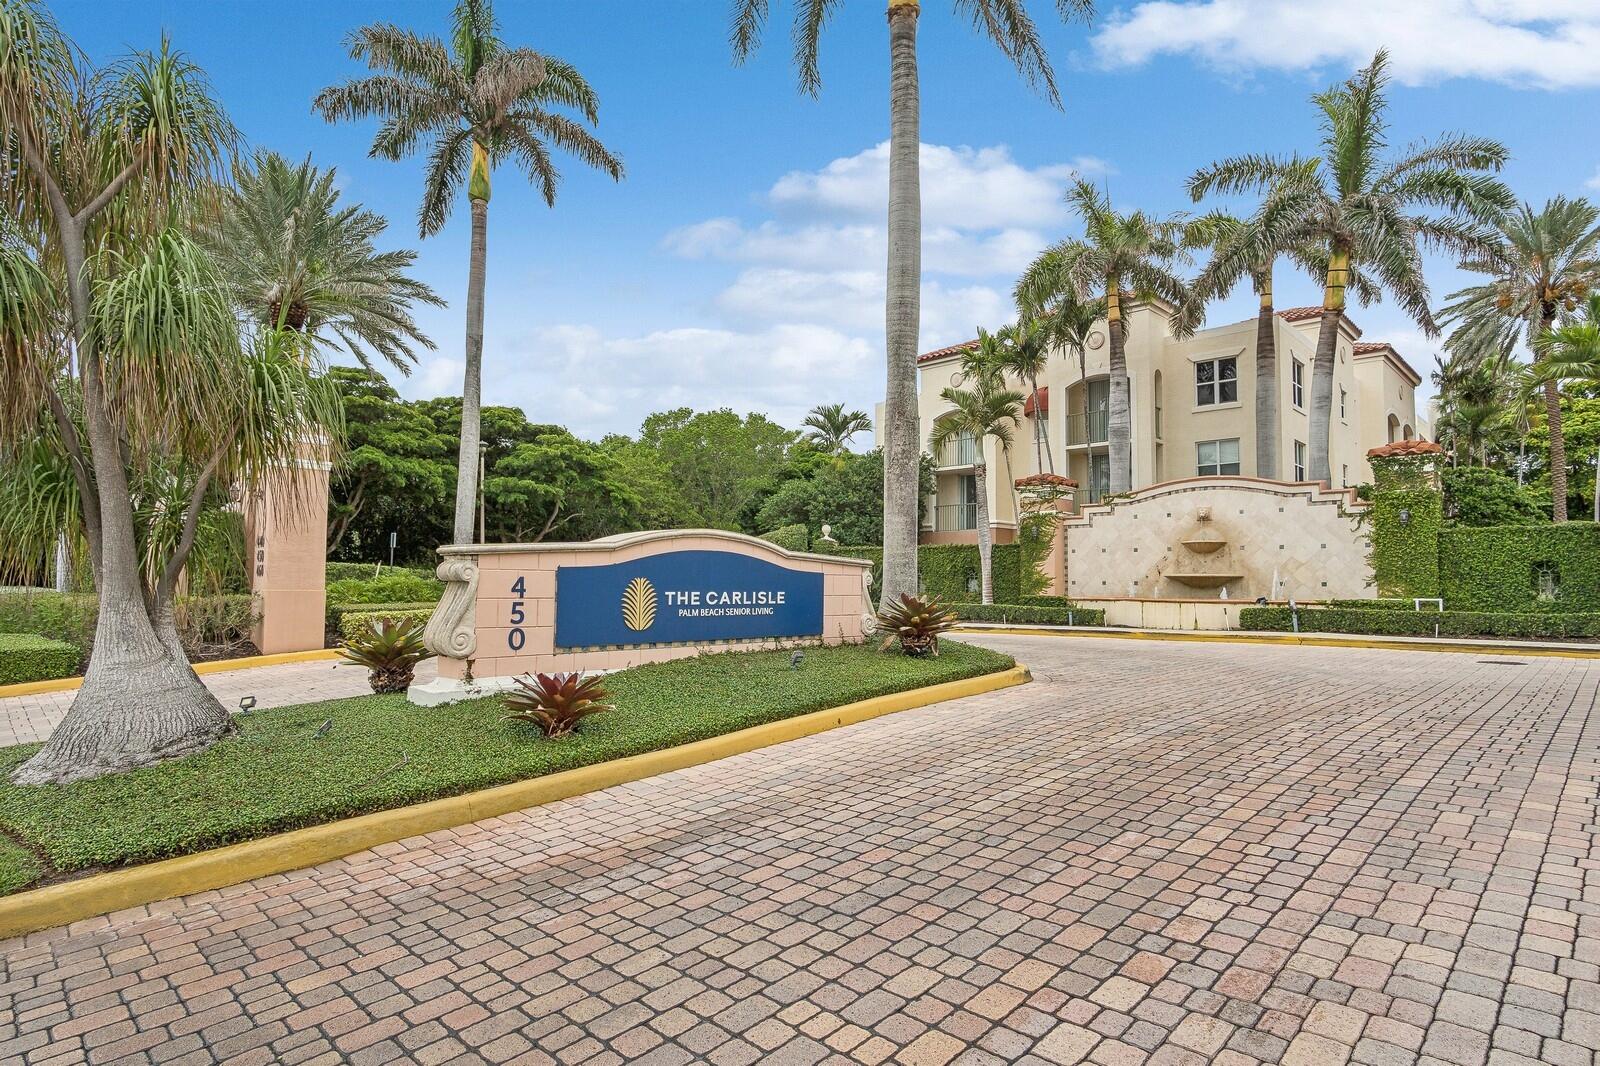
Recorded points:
(277, 774)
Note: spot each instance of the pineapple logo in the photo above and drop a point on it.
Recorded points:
(639, 605)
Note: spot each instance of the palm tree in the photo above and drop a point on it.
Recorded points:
(1570, 352)
(1025, 352)
(477, 103)
(985, 409)
(295, 259)
(1367, 212)
(1069, 323)
(830, 427)
(1008, 25)
(1120, 255)
(1543, 264)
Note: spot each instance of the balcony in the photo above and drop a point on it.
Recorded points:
(1096, 434)
(955, 517)
(961, 451)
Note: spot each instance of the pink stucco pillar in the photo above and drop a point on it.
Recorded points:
(287, 527)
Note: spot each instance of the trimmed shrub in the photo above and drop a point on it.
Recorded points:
(390, 587)
(1478, 496)
(342, 617)
(1381, 604)
(1421, 623)
(205, 623)
(1024, 615)
(951, 572)
(1514, 568)
(30, 657)
(794, 538)
(368, 571)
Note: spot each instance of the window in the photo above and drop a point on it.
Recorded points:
(1299, 460)
(1217, 457)
(1216, 381)
(1341, 403)
(1344, 477)
(1297, 383)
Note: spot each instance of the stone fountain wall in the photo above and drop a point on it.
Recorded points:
(1312, 539)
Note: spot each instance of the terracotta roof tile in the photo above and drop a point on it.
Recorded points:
(1299, 314)
(1044, 402)
(1405, 447)
(1053, 480)
(952, 349)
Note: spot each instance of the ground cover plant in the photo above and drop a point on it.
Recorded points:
(302, 765)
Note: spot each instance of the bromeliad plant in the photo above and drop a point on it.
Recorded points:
(556, 703)
(390, 650)
(916, 623)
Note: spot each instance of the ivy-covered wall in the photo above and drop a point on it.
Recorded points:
(949, 571)
(1502, 568)
(1405, 541)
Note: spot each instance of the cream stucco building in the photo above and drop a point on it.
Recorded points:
(1193, 413)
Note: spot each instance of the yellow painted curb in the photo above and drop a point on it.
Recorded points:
(70, 901)
(220, 666)
(1292, 639)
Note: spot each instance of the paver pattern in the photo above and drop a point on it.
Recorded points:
(25, 719)
(1163, 853)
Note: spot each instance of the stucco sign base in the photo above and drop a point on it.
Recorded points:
(627, 600)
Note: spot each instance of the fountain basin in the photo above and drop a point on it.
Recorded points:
(1205, 581)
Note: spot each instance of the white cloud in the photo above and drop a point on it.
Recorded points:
(1594, 182)
(962, 187)
(1523, 43)
(821, 246)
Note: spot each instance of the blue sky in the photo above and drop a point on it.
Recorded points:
(740, 261)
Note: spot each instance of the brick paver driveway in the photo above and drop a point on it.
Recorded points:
(1171, 853)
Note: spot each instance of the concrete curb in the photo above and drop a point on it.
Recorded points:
(1303, 640)
(219, 666)
(70, 901)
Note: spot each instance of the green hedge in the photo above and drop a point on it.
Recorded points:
(389, 588)
(947, 570)
(1422, 623)
(1495, 568)
(1380, 604)
(204, 622)
(29, 657)
(338, 611)
(1405, 556)
(795, 538)
(352, 621)
(367, 571)
(1021, 614)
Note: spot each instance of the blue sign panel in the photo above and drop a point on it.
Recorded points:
(686, 596)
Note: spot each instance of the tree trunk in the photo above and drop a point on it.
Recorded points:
(1044, 439)
(1119, 431)
(472, 384)
(902, 307)
(1558, 436)
(1319, 459)
(1268, 431)
(140, 701)
(980, 475)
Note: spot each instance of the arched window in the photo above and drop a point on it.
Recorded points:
(1408, 433)
(1394, 429)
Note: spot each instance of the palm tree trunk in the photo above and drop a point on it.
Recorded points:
(980, 474)
(902, 307)
(1044, 438)
(1119, 432)
(1267, 428)
(1322, 366)
(140, 701)
(472, 385)
(1558, 437)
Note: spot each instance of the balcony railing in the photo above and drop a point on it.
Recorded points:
(1096, 434)
(954, 517)
(962, 451)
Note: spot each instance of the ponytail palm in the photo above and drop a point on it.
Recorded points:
(1008, 25)
(1542, 264)
(1120, 255)
(1367, 211)
(475, 103)
(986, 409)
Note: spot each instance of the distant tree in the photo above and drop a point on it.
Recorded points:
(829, 427)
(1542, 265)
(1570, 352)
(478, 103)
(648, 478)
(717, 459)
(558, 488)
(395, 474)
(847, 496)
(1008, 25)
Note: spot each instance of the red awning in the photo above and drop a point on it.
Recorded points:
(1044, 402)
